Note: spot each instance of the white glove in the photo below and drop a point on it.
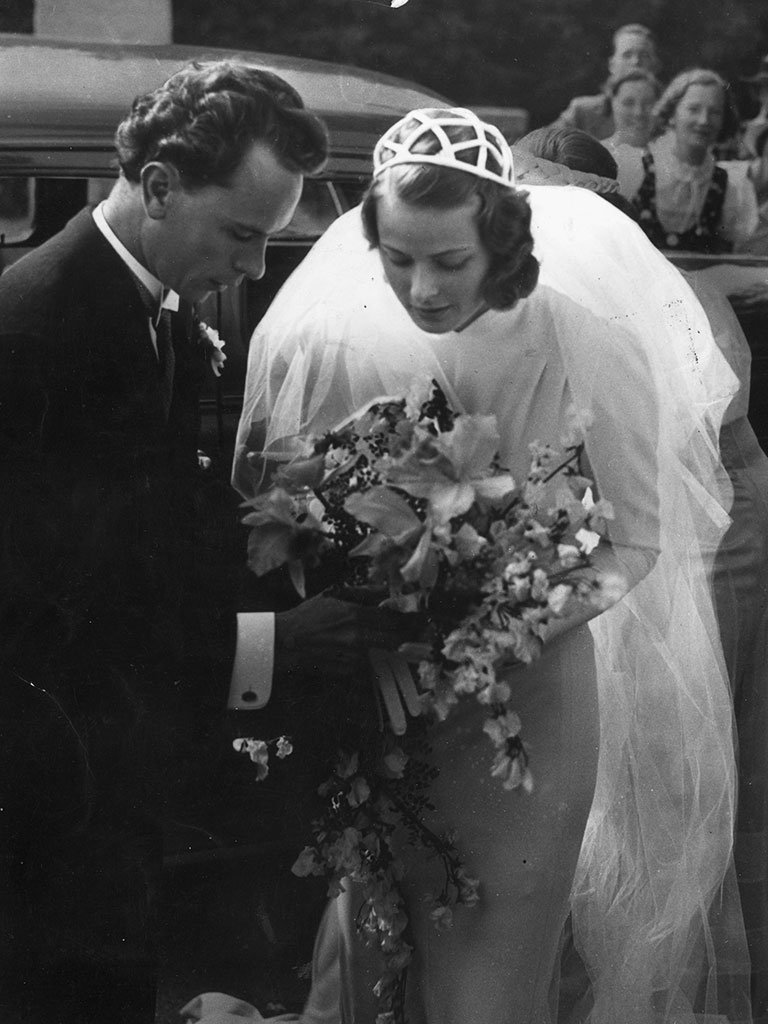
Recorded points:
(394, 681)
(218, 1008)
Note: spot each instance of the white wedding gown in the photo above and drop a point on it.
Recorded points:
(628, 720)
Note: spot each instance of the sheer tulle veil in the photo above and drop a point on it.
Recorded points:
(654, 910)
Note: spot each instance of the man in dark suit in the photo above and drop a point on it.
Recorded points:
(112, 654)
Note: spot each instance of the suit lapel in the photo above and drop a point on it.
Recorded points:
(121, 320)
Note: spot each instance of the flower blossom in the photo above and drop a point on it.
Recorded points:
(451, 470)
(441, 916)
(283, 534)
(359, 791)
(215, 346)
(395, 762)
(284, 747)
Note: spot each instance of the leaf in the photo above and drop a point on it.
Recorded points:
(270, 545)
(384, 510)
(298, 579)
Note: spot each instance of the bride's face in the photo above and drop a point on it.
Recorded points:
(434, 260)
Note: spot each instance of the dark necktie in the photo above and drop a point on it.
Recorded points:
(165, 356)
(160, 325)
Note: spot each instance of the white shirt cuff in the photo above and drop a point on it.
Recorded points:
(251, 684)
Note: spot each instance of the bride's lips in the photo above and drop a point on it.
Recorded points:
(429, 313)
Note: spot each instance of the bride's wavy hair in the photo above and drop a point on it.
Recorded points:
(503, 218)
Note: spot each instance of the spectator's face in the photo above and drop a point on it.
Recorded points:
(434, 260)
(632, 108)
(698, 118)
(633, 51)
(207, 239)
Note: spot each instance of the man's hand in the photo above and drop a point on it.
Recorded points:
(354, 642)
(325, 631)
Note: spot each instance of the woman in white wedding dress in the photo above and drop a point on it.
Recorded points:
(627, 718)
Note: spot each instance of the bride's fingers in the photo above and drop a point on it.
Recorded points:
(386, 683)
(404, 679)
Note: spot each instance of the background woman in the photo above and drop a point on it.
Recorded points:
(448, 292)
(633, 96)
(684, 198)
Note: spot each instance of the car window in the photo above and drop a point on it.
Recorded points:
(318, 208)
(29, 206)
(17, 209)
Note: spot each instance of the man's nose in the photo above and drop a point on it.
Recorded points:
(252, 261)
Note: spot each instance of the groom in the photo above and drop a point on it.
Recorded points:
(115, 660)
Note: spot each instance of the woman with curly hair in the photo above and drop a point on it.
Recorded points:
(685, 199)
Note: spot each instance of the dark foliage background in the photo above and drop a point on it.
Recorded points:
(529, 53)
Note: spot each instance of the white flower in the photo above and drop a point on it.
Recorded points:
(558, 598)
(359, 791)
(215, 346)
(442, 917)
(501, 727)
(306, 863)
(395, 761)
(284, 747)
(609, 588)
(569, 554)
(588, 540)
(578, 423)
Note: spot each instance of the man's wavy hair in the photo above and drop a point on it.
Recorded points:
(679, 86)
(206, 117)
(503, 217)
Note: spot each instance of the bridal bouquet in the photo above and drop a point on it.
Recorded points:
(412, 499)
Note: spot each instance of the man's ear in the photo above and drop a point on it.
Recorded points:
(158, 183)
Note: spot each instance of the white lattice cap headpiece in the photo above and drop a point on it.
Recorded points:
(481, 150)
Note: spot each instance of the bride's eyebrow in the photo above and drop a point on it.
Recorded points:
(458, 251)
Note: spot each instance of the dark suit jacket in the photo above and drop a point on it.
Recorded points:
(113, 653)
(100, 518)
(592, 114)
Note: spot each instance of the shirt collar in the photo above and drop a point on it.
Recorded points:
(165, 298)
(663, 149)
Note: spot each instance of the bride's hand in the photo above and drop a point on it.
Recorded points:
(393, 680)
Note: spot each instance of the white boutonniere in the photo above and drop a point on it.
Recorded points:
(214, 346)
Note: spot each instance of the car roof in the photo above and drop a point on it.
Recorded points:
(70, 96)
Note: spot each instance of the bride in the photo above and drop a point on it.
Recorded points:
(528, 307)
